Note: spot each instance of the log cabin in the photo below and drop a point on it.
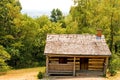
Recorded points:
(76, 53)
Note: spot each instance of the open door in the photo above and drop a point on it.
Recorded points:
(83, 63)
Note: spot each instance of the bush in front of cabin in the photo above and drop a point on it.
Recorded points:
(114, 64)
(40, 75)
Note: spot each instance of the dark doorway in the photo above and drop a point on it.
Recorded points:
(83, 63)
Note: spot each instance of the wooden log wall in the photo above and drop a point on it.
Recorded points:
(60, 68)
(96, 64)
(55, 60)
(77, 64)
(54, 65)
(93, 64)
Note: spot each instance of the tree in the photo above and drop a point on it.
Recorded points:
(56, 15)
(23, 49)
(9, 11)
(9, 14)
(71, 26)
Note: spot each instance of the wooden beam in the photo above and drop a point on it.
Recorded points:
(105, 66)
(47, 60)
(74, 67)
(82, 56)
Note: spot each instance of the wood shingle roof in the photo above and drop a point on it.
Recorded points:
(76, 44)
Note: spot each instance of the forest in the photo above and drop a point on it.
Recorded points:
(22, 38)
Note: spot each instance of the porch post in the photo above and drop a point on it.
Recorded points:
(105, 66)
(47, 60)
(74, 67)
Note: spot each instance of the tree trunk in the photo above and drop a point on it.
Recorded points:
(111, 33)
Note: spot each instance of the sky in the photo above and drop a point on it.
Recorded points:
(43, 7)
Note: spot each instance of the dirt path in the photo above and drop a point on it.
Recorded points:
(22, 74)
(31, 74)
(25, 76)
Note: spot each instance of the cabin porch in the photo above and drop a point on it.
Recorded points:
(89, 73)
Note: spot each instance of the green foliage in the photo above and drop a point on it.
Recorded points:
(93, 14)
(40, 75)
(71, 26)
(23, 38)
(114, 64)
(3, 57)
(9, 12)
(56, 15)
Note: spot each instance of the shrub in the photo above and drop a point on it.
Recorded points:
(4, 56)
(114, 64)
(40, 75)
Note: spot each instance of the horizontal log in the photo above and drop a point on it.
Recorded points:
(95, 62)
(70, 58)
(77, 62)
(53, 62)
(77, 58)
(70, 62)
(89, 56)
(57, 68)
(96, 59)
(60, 64)
(61, 69)
(54, 59)
(64, 69)
(54, 71)
(77, 66)
(96, 67)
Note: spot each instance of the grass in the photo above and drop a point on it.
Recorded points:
(42, 69)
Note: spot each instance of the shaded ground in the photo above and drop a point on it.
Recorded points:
(31, 74)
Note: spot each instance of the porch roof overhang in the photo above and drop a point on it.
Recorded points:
(74, 55)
